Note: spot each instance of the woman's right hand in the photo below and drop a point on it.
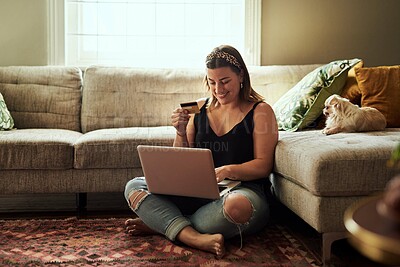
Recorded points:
(180, 118)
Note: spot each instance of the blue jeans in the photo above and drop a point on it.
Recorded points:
(168, 215)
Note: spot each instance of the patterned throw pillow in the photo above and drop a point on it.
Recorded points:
(6, 121)
(303, 104)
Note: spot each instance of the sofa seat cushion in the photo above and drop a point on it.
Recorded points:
(116, 147)
(344, 164)
(37, 149)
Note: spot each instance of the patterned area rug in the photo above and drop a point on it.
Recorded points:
(103, 242)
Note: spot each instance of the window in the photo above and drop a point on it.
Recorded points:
(145, 33)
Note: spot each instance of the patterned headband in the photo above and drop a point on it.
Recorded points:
(226, 56)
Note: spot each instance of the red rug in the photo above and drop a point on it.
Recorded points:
(103, 242)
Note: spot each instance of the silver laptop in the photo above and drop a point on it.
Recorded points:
(182, 172)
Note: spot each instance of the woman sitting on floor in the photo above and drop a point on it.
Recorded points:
(236, 118)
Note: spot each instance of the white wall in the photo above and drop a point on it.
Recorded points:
(319, 31)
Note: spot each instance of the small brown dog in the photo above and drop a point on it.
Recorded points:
(344, 116)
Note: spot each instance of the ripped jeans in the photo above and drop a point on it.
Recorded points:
(168, 215)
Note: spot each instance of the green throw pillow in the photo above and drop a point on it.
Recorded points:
(6, 121)
(303, 104)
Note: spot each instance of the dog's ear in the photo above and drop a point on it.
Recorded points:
(338, 106)
(330, 100)
(327, 101)
(335, 99)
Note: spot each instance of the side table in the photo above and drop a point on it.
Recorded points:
(373, 235)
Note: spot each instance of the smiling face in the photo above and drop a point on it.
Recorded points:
(224, 84)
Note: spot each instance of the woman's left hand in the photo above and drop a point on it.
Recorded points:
(222, 173)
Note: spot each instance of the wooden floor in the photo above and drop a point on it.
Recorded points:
(100, 205)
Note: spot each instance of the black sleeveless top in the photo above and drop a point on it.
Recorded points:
(234, 147)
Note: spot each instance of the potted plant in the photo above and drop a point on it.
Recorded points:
(390, 204)
(394, 161)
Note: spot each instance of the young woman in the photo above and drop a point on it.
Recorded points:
(241, 131)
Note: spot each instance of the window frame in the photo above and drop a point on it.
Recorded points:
(56, 32)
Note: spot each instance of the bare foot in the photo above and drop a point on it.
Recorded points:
(136, 227)
(213, 243)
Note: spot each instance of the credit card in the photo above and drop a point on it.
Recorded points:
(194, 106)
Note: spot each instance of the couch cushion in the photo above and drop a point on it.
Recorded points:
(344, 164)
(129, 97)
(380, 89)
(37, 149)
(116, 148)
(43, 97)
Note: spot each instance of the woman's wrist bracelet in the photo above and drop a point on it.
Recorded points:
(181, 135)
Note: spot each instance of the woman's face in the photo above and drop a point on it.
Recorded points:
(224, 84)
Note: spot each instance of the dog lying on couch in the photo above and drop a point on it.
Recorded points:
(343, 116)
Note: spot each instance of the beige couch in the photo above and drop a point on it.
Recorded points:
(78, 133)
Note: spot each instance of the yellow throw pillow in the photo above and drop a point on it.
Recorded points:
(380, 88)
(351, 91)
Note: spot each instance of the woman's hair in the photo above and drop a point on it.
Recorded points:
(228, 56)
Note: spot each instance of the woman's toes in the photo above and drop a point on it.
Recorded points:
(129, 222)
